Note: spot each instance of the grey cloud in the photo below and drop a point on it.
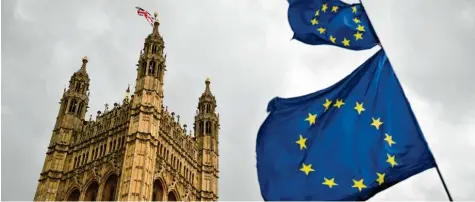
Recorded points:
(245, 47)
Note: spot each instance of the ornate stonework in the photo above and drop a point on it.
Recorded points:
(133, 151)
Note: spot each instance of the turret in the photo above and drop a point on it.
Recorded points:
(75, 98)
(151, 63)
(68, 126)
(207, 133)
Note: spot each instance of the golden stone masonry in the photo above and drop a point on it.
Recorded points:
(135, 151)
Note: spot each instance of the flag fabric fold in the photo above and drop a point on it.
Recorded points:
(331, 22)
(346, 142)
(142, 12)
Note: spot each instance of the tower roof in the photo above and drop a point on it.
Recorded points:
(156, 23)
(207, 95)
(81, 74)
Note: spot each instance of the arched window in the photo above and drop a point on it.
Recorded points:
(81, 105)
(208, 127)
(79, 161)
(154, 48)
(84, 158)
(144, 68)
(77, 87)
(75, 162)
(151, 68)
(72, 106)
(202, 127)
(159, 68)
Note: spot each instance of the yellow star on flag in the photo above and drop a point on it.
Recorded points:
(324, 7)
(359, 184)
(306, 168)
(314, 21)
(332, 39)
(327, 104)
(311, 118)
(358, 36)
(391, 160)
(356, 20)
(321, 30)
(389, 139)
(346, 42)
(353, 9)
(302, 142)
(338, 103)
(360, 28)
(335, 9)
(359, 107)
(380, 179)
(317, 13)
(329, 182)
(376, 123)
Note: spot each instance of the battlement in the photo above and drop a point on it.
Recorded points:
(170, 125)
(105, 121)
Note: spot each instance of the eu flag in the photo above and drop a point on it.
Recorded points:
(331, 22)
(346, 142)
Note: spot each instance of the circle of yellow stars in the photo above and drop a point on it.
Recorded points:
(376, 123)
(345, 42)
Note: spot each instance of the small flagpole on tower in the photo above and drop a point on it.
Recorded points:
(436, 166)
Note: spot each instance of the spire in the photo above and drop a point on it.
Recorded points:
(84, 62)
(156, 23)
(127, 94)
(81, 74)
(207, 92)
(207, 101)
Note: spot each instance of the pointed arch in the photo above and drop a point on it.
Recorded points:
(208, 127)
(74, 194)
(151, 68)
(173, 196)
(91, 191)
(202, 127)
(72, 106)
(109, 191)
(158, 192)
(81, 106)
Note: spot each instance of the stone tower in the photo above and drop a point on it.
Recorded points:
(69, 122)
(142, 139)
(135, 151)
(207, 127)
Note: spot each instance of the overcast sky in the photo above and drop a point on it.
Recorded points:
(245, 47)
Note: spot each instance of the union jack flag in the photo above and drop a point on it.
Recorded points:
(145, 14)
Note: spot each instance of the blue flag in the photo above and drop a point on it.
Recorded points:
(331, 22)
(347, 142)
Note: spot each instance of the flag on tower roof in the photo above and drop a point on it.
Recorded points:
(142, 12)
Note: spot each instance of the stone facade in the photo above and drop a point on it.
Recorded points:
(135, 151)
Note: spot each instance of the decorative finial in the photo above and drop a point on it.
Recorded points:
(84, 59)
(155, 14)
(208, 79)
(178, 118)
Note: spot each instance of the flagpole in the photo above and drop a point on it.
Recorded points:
(436, 166)
(443, 183)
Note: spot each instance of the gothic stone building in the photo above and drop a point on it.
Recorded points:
(135, 151)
